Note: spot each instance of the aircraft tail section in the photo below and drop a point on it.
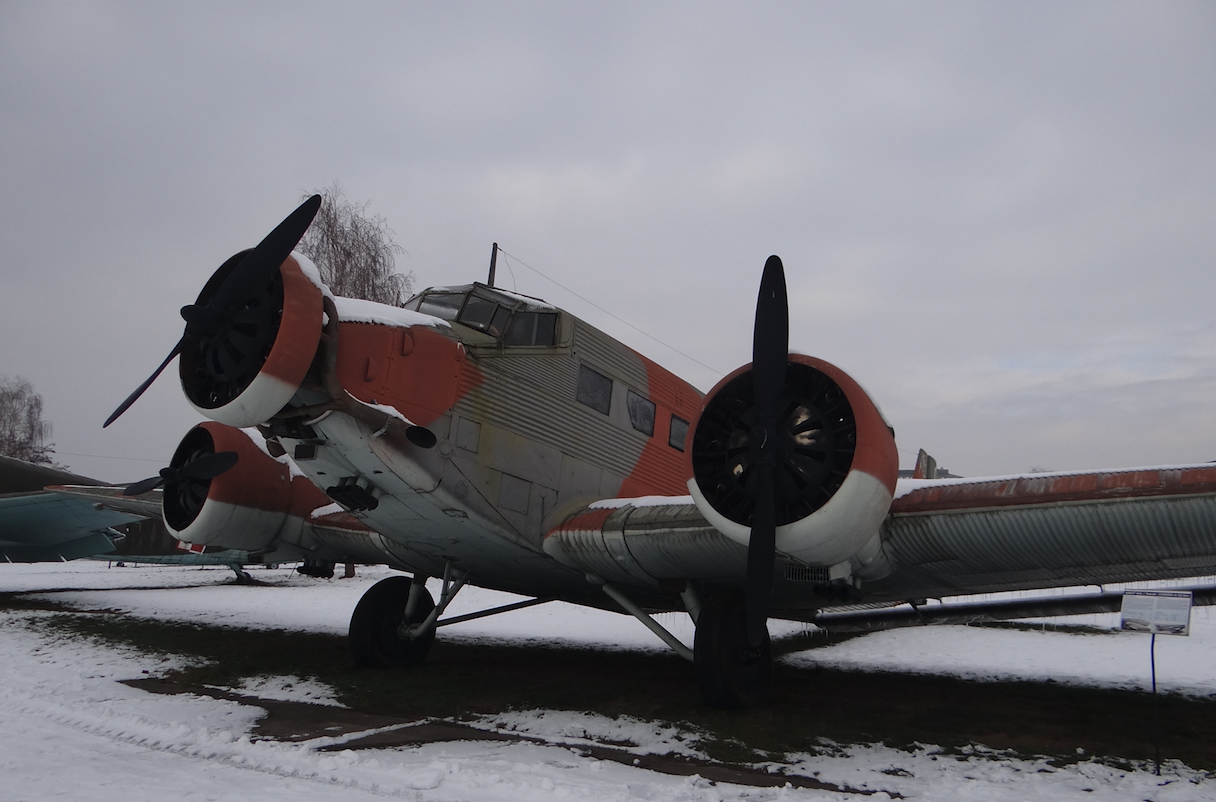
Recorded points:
(926, 466)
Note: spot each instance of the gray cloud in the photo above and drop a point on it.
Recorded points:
(989, 213)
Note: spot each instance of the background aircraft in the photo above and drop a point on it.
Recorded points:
(488, 437)
(38, 524)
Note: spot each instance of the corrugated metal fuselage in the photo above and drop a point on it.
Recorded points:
(516, 453)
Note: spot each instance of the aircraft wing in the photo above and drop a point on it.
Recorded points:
(39, 526)
(941, 538)
(49, 515)
(952, 537)
(145, 505)
(42, 526)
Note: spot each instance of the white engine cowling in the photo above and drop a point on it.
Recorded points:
(835, 474)
(245, 368)
(247, 506)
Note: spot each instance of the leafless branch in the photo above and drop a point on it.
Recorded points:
(354, 251)
(23, 432)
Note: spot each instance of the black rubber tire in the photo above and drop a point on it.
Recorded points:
(373, 626)
(730, 675)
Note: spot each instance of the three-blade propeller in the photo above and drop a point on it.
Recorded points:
(204, 468)
(770, 350)
(257, 268)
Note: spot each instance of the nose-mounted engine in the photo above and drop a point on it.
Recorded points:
(834, 463)
(246, 362)
(254, 337)
(253, 332)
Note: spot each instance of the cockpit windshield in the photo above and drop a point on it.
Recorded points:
(500, 315)
(484, 315)
(442, 305)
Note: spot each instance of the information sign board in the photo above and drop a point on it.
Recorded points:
(1161, 612)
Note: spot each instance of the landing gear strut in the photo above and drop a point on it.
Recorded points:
(731, 673)
(377, 635)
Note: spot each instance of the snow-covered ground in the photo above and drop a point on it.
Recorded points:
(69, 730)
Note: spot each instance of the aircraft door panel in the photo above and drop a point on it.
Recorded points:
(517, 455)
(514, 493)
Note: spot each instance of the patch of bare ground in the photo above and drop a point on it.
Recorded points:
(301, 721)
(811, 707)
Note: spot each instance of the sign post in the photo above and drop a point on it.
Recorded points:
(1167, 612)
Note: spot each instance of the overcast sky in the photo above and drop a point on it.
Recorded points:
(999, 217)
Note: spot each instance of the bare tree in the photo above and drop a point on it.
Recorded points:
(23, 432)
(354, 251)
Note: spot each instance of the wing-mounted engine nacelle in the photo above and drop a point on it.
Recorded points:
(247, 506)
(835, 467)
(246, 361)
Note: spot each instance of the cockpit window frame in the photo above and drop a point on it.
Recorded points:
(544, 326)
(440, 311)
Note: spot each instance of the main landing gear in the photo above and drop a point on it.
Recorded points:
(380, 628)
(731, 673)
(394, 624)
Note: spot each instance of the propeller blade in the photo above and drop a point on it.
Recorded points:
(761, 553)
(143, 486)
(208, 467)
(260, 264)
(770, 341)
(133, 397)
(246, 278)
(770, 351)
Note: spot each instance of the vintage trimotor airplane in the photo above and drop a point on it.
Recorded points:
(488, 438)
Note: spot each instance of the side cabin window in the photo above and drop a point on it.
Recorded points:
(532, 328)
(641, 413)
(679, 431)
(594, 389)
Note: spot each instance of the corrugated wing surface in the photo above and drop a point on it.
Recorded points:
(1051, 545)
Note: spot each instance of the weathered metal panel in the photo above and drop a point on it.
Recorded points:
(670, 542)
(1052, 544)
(524, 393)
(1055, 488)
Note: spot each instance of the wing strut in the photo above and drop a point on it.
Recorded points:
(641, 615)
